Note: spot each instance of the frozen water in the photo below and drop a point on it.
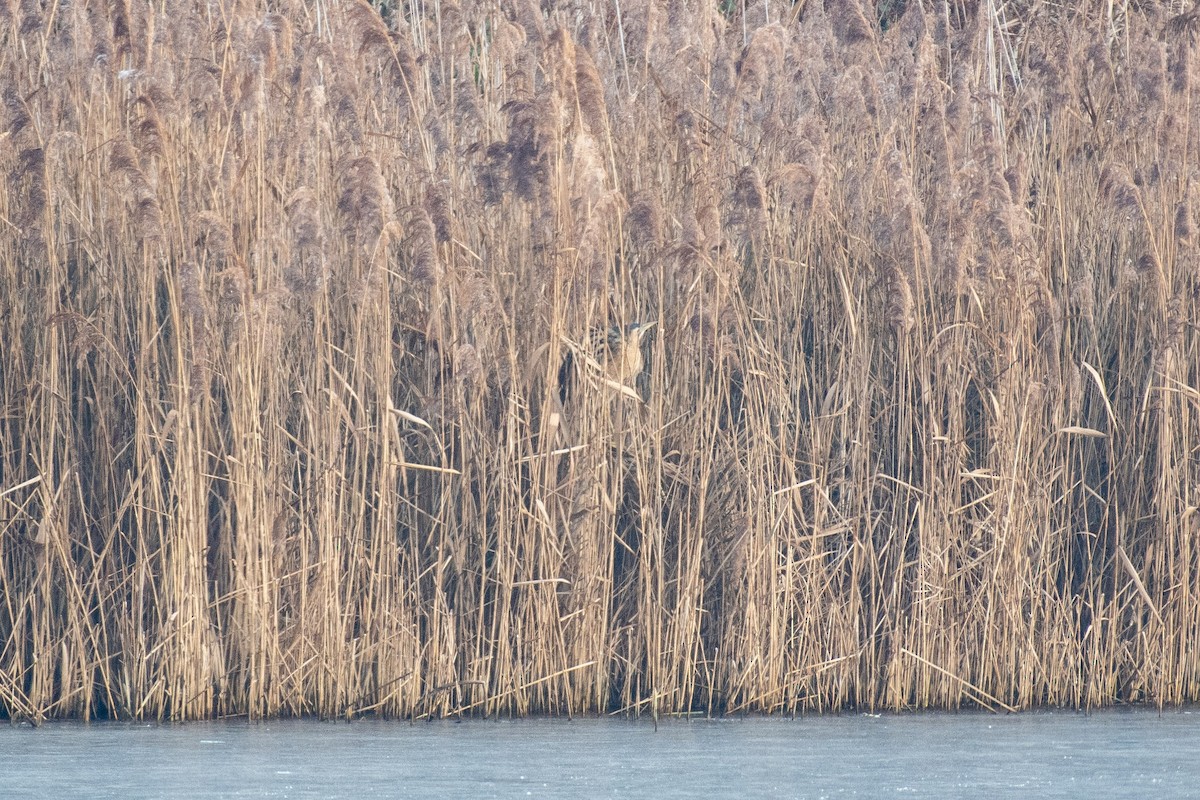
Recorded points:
(1107, 754)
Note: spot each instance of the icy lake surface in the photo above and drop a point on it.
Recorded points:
(1136, 754)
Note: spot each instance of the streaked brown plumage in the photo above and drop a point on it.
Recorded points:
(616, 354)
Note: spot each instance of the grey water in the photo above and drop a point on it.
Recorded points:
(1108, 754)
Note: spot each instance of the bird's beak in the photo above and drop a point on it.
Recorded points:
(645, 326)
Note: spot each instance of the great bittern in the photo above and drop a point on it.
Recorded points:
(615, 355)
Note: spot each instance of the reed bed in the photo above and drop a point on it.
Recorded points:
(285, 290)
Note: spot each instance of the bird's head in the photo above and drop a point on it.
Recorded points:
(634, 331)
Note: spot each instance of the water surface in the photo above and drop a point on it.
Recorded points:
(1128, 753)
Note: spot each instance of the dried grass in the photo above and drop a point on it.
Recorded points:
(284, 298)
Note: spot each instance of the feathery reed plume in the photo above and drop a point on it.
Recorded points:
(1180, 67)
(594, 206)
(437, 207)
(799, 185)
(347, 125)
(1184, 227)
(148, 134)
(493, 173)
(762, 59)
(272, 37)
(101, 40)
(364, 202)
(367, 27)
(468, 111)
(196, 307)
(559, 63)
(590, 91)
(1149, 265)
(218, 239)
(707, 232)
(307, 271)
(1117, 184)
(18, 112)
(191, 291)
(749, 202)
(30, 173)
(532, 136)
(900, 310)
(850, 24)
(643, 24)
(404, 69)
(1017, 178)
(203, 88)
(528, 15)
(644, 221)
(508, 42)
(426, 262)
(587, 178)
(305, 218)
(120, 16)
(467, 366)
(454, 26)
(1186, 24)
(147, 214)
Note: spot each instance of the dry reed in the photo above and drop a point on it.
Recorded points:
(284, 296)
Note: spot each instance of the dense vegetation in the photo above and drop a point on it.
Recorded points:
(285, 291)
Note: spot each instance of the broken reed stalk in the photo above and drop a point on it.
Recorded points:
(281, 334)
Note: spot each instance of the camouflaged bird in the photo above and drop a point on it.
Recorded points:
(615, 355)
